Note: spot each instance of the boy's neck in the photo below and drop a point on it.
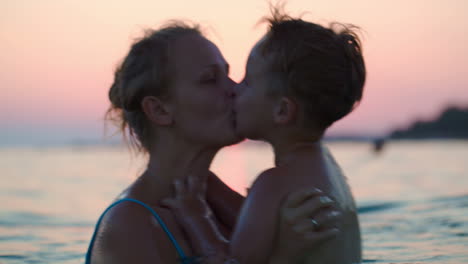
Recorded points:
(290, 142)
(287, 149)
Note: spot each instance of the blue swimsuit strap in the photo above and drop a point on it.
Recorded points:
(181, 253)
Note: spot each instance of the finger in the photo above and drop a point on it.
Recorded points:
(191, 183)
(201, 185)
(304, 226)
(322, 221)
(322, 236)
(179, 188)
(308, 208)
(168, 202)
(195, 184)
(328, 218)
(294, 199)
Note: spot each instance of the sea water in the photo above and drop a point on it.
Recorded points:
(412, 196)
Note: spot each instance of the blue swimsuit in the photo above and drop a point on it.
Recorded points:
(184, 259)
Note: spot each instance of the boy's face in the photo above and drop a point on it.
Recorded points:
(253, 106)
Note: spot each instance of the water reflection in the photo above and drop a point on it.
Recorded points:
(412, 197)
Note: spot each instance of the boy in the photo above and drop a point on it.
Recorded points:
(300, 78)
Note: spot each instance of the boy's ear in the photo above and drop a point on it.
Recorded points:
(156, 111)
(285, 111)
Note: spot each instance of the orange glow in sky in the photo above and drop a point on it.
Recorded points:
(58, 57)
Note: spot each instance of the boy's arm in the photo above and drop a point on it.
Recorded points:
(255, 232)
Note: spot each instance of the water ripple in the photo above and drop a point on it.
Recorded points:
(15, 257)
(378, 207)
(28, 219)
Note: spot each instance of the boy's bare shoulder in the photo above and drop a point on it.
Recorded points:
(269, 177)
(269, 182)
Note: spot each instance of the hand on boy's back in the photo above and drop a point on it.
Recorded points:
(308, 218)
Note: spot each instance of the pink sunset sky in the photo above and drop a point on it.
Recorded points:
(58, 57)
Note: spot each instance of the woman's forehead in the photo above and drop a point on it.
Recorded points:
(195, 51)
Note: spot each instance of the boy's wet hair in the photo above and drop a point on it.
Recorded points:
(321, 67)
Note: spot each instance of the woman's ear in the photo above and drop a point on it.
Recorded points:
(156, 111)
(285, 111)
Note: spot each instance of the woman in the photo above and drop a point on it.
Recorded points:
(173, 94)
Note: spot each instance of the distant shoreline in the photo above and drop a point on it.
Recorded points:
(366, 140)
(452, 123)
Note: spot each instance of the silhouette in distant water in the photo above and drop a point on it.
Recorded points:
(378, 146)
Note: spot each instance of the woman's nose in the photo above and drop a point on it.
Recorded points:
(232, 89)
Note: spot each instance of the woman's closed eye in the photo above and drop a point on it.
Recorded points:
(209, 78)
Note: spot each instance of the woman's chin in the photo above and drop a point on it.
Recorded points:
(236, 140)
(233, 138)
(243, 134)
(246, 134)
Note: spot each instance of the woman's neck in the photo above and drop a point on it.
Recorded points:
(167, 164)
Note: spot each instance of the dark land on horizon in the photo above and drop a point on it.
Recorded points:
(452, 123)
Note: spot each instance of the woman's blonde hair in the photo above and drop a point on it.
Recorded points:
(144, 71)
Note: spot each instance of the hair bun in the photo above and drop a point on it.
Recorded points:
(114, 92)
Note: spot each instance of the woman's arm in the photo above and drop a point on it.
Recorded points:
(223, 201)
(193, 214)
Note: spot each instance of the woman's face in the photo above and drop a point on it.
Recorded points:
(202, 93)
(253, 106)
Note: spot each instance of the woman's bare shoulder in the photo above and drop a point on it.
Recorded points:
(126, 214)
(126, 235)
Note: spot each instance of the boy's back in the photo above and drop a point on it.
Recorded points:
(316, 168)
